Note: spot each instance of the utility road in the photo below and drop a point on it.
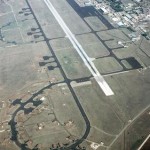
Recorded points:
(87, 61)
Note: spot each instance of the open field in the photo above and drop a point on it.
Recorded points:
(132, 51)
(144, 45)
(108, 65)
(92, 46)
(95, 23)
(111, 37)
(113, 34)
(72, 64)
(131, 97)
(69, 58)
(18, 65)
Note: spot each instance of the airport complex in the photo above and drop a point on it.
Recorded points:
(74, 75)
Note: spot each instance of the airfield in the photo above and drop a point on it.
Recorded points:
(49, 96)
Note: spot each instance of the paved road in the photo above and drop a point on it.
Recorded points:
(90, 65)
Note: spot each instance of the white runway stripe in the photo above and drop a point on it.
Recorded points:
(90, 65)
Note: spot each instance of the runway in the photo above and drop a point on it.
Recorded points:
(87, 61)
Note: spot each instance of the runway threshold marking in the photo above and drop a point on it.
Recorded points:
(90, 65)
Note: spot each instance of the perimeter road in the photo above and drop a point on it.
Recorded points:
(87, 61)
